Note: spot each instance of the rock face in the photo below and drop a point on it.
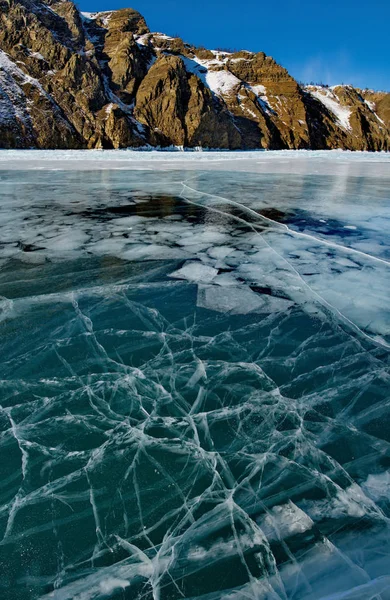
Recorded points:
(103, 80)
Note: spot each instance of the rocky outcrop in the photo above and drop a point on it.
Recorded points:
(103, 80)
(177, 108)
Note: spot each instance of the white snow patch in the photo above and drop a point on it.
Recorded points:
(37, 55)
(8, 66)
(106, 19)
(261, 93)
(109, 108)
(371, 105)
(329, 99)
(221, 56)
(220, 82)
(163, 36)
(105, 16)
(259, 90)
(13, 101)
(142, 40)
(12, 98)
(249, 111)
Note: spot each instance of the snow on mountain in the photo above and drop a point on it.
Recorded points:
(329, 99)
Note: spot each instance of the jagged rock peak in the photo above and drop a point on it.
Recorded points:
(123, 20)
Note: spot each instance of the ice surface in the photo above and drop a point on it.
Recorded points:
(194, 377)
(343, 164)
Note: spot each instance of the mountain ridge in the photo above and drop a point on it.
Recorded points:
(70, 79)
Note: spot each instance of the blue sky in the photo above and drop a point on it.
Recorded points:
(344, 41)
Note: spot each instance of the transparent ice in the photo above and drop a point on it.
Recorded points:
(194, 386)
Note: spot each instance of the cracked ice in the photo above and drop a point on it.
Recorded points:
(194, 387)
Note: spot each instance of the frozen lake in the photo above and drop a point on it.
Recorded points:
(194, 378)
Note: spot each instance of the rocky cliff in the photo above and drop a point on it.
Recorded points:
(78, 80)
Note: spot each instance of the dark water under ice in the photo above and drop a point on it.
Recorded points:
(194, 386)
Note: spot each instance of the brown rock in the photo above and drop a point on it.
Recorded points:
(178, 109)
(162, 99)
(124, 20)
